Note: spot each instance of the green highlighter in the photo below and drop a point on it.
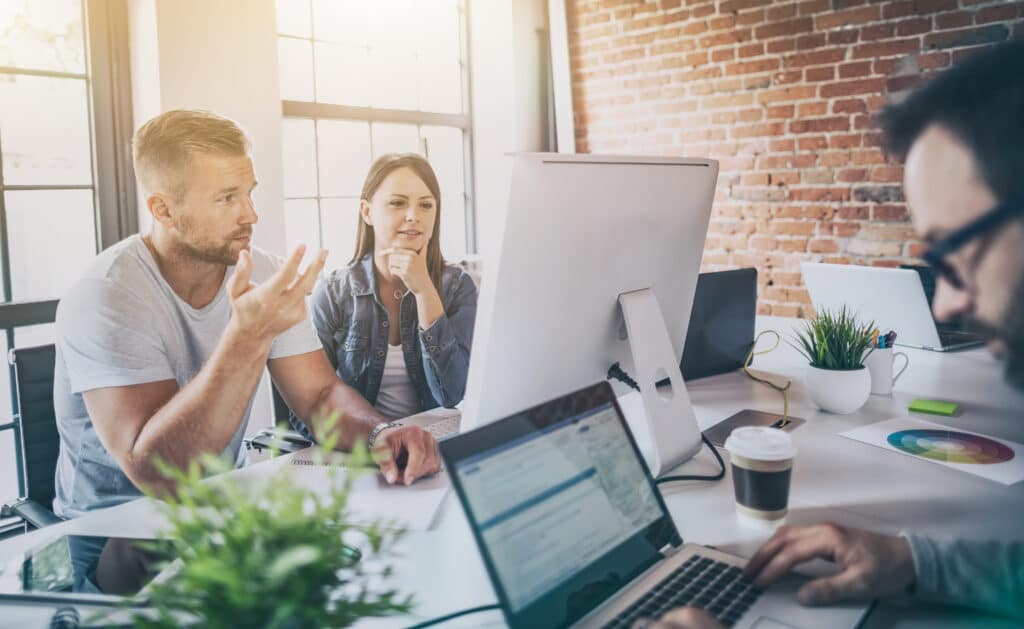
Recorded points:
(933, 406)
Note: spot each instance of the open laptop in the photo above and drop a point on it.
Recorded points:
(574, 532)
(895, 299)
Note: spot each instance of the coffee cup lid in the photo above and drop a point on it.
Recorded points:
(761, 443)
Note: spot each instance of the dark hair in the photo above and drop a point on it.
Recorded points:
(981, 101)
(379, 170)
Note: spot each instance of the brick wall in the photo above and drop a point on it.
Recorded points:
(782, 94)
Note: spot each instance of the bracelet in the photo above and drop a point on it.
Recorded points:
(379, 428)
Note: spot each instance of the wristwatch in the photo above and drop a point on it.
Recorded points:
(379, 428)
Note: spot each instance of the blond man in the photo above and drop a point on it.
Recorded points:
(163, 339)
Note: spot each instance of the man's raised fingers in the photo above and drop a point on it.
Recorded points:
(307, 280)
(286, 274)
(242, 276)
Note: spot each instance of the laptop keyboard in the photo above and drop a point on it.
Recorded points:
(711, 585)
(445, 427)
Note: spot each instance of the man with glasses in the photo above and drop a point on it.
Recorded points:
(961, 137)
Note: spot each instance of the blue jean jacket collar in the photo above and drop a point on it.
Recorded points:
(362, 278)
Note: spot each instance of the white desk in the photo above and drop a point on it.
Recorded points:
(834, 478)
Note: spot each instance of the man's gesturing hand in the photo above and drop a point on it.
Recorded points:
(268, 309)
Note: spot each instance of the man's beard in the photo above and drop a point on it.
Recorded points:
(1011, 333)
(213, 255)
(195, 249)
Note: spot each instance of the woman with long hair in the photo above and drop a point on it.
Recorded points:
(397, 322)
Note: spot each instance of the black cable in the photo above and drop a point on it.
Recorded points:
(453, 615)
(615, 372)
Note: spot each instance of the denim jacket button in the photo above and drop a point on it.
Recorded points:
(380, 354)
(429, 338)
(384, 324)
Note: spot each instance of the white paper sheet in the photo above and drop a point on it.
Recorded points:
(412, 508)
(1005, 459)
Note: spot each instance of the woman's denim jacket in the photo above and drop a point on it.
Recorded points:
(353, 327)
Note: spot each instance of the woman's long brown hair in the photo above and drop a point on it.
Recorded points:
(381, 168)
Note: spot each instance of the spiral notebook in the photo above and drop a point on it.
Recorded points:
(411, 508)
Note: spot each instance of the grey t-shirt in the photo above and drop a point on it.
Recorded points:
(121, 324)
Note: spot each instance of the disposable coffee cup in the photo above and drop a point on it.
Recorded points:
(762, 463)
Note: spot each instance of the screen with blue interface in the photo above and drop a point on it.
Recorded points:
(549, 504)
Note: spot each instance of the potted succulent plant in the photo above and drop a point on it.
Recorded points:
(835, 345)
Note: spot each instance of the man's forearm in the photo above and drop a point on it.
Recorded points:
(204, 415)
(356, 417)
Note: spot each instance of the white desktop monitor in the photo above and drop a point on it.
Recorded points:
(580, 231)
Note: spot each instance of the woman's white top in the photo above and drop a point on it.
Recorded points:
(397, 396)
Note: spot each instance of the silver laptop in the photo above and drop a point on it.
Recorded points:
(894, 299)
(573, 531)
(441, 422)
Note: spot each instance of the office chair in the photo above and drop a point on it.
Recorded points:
(37, 428)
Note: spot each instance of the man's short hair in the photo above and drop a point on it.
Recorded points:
(981, 101)
(163, 147)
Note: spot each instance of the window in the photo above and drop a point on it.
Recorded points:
(360, 79)
(57, 142)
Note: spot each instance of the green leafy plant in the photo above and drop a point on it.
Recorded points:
(835, 340)
(277, 555)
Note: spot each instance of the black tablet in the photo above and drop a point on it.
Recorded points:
(86, 569)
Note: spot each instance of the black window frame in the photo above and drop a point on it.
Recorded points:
(108, 92)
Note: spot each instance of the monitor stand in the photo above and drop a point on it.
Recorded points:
(673, 433)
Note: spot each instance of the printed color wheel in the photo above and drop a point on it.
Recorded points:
(951, 446)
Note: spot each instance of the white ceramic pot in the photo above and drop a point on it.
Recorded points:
(839, 392)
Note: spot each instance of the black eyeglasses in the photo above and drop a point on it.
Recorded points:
(936, 255)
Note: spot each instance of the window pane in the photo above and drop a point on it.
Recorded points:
(392, 77)
(446, 155)
(340, 220)
(344, 157)
(438, 28)
(52, 235)
(299, 148)
(42, 35)
(440, 86)
(6, 412)
(35, 335)
(301, 224)
(343, 75)
(8, 467)
(44, 130)
(344, 21)
(8, 464)
(293, 18)
(394, 138)
(296, 68)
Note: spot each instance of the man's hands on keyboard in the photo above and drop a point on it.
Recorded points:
(681, 618)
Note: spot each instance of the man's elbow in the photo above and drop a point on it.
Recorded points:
(142, 470)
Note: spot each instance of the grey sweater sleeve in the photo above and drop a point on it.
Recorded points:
(988, 575)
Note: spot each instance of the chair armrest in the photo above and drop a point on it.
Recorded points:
(32, 512)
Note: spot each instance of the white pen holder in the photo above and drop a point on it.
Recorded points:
(880, 365)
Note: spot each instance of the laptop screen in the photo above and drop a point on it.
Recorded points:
(562, 506)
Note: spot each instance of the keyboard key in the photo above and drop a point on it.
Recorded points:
(700, 582)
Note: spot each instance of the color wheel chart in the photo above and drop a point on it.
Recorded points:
(950, 446)
(930, 443)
